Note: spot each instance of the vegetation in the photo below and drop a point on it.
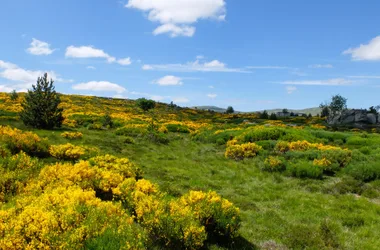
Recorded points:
(218, 182)
(40, 108)
(230, 110)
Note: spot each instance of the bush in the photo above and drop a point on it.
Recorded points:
(364, 171)
(260, 133)
(239, 152)
(72, 135)
(133, 130)
(107, 121)
(159, 138)
(129, 140)
(67, 151)
(17, 141)
(177, 128)
(274, 164)
(305, 169)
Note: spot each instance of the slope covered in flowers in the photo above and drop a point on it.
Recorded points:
(184, 179)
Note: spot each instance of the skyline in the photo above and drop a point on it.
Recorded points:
(246, 54)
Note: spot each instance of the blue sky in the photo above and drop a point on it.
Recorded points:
(252, 55)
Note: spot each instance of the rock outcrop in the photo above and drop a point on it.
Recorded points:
(354, 117)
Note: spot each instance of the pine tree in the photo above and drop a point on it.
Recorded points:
(40, 108)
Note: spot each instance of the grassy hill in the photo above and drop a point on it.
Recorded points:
(178, 185)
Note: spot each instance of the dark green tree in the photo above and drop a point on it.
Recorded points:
(230, 110)
(338, 104)
(325, 110)
(273, 116)
(373, 110)
(145, 104)
(107, 121)
(264, 115)
(14, 95)
(285, 111)
(40, 107)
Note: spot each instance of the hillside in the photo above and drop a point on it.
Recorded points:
(193, 180)
(312, 111)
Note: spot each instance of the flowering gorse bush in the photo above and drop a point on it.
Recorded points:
(239, 152)
(273, 164)
(67, 151)
(17, 140)
(72, 135)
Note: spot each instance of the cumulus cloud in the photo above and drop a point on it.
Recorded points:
(22, 78)
(175, 30)
(290, 89)
(366, 52)
(39, 48)
(92, 52)
(176, 17)
(180, 100)
(100, 86)
(196, 66)
(321, 66)
(169, 81)
(125, 61)
(90, 67)
(267, 67)
(328, 82)
(212, 96)
(365, 77)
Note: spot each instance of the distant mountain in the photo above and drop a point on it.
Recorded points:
(213, 108)
(312, 111)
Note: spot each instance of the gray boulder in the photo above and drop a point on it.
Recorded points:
(371, 118)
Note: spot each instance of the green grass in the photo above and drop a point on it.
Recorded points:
(275, 207)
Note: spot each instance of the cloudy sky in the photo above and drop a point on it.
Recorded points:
(250, 54)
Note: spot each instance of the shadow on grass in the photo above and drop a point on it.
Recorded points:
(238, 243)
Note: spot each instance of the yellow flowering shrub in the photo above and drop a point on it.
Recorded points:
(239, 152)
(66, 151)
(17, 140)
(66, 217)
(69, 123)
(72, 135)
(273, 164)
(322, 162)
(219, 216)
(283, 146)
(232, 142)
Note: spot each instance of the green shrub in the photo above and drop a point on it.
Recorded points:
(305, 169)
(129, 140)
(261, 134)
(177, 128)
(159, 138)
(131, 131)
(364, 171)
(274, 164)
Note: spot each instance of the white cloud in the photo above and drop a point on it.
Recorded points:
(39, 48)
(267, 67)
(180, 100)
(88, 52)
(169, 81)
(366, 52)
(7, 65)
(196, 66)
(212, 96)
(177, 16)
(92, 52)
(22, 78)
(4, 88)
(90, 67)
(175, 30)
(125, 61)
(365, 77)
(147, 67)
(321, 66)
(210, 87)
(100, 86)
(328, 82)
(290, 89)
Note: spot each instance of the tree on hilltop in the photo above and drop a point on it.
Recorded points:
(230, 110)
